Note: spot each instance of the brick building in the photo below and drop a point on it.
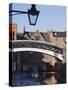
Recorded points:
(12, 31)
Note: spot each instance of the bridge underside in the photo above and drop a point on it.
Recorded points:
(29, 57)
(51, 53)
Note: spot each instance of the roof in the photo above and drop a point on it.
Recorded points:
(43, 36)
(59, 34)
(46, 36)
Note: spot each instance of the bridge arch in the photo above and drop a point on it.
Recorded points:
(37, 46)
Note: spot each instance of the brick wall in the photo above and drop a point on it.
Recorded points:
(12, 31)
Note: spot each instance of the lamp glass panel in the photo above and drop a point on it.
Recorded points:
(33, 19)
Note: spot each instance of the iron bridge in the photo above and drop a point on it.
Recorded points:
(36, 46)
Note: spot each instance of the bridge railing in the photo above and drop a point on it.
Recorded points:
(46, 46)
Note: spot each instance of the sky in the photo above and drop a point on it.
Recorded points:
(50, 17)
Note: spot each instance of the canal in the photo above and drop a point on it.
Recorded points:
(38, 78)
(29, 69)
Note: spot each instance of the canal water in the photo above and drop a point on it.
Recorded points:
(42, 78)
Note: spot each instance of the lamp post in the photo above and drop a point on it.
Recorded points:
(32, 13)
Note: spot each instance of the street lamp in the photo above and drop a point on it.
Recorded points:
(32, 13)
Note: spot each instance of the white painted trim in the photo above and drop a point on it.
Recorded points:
(57, 55)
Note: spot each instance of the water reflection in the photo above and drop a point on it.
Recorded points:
(50, 78)
(45, 77)
(42, 78)
(38, 75)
